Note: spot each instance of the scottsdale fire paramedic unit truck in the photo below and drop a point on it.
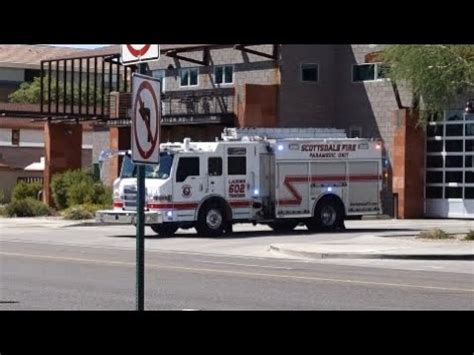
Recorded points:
(279, 177)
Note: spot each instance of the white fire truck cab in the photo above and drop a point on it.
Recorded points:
(279, 177)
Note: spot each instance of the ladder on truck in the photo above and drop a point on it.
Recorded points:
(233, 133)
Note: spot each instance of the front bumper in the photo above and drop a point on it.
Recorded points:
(127, 217)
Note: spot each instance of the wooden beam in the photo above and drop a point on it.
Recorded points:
(173, 54)
(243, 48)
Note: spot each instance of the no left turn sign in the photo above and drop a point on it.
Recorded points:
(138, 53)
(146, 118)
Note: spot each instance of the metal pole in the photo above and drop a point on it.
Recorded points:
(141, 228)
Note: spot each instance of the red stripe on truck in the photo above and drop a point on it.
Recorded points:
(296, 200)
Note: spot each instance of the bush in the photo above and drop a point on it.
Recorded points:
(3, 210)
(469, 235)
(3, 198)
(435, 233)
(77, 187)
(85, 211)
(27, 207)
(24, 190)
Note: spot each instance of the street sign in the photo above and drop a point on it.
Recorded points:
(146, 119)
(139, 53)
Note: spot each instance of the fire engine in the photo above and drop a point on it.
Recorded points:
(280, 177)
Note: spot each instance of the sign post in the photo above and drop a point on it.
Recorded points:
(146, 119)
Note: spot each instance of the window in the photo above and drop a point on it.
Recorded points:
(434, 192)
(454, 129)
(434, 130)
(453, 192)
(31, 74)
(214, 166)
(454, 161)
(355, 132)
(309, 72)
(434, 161)
(368, 72)
(434, 177)
(187, 167)
(188, 77)
(224, 74)
(237, 165)
(453, 176)
(469, 193)
(15, 137)
(434, 146)
(469, 177)
(160, 74)
(454, 146)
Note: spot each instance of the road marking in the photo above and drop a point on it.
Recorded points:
(242, 273)
(249, 265)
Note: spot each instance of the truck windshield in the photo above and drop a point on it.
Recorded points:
(161, 171)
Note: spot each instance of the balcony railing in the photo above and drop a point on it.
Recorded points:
(198, 106)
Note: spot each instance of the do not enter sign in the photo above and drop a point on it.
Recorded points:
(139, 53)
(146, 119)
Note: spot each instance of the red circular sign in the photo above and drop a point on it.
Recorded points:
(145, 85)
(138, 52)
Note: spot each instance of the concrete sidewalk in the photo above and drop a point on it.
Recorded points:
(373, 247)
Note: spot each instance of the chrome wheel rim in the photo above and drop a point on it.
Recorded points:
(214, 219)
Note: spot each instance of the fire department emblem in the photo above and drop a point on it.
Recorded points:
(186, 191)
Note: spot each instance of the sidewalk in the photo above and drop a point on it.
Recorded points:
(373, 247)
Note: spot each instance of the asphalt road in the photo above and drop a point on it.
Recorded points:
(39, 276)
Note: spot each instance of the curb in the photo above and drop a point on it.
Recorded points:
(316, 255)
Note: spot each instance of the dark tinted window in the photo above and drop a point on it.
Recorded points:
(454, 129)
(454, 146)
(434, 130)
(434, 176)
(434, 161)
(434, 192)
(469, 145)
(454, 161)
(309, 72)
(434, 146)
(187, 167)
(453, 192)
(215, 166)
(237, 165)
(363, 72)
(469, 192)
(469, 178)
(468, 162)
(453, 176)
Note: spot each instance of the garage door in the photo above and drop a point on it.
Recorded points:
(449, 180)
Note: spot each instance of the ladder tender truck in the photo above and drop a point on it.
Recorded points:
(281, 177)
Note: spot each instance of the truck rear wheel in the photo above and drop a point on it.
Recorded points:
(283, 226)
(211, 221)
(328, 216)
(164, 230)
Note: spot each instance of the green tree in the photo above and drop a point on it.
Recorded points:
(437, 74)
(30, 92)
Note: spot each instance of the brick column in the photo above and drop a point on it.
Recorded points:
(63, 151)
(119, 139)
(257, 106)
(408, 164)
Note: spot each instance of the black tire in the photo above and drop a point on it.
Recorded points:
(164, 230)
(328, 216)
(283, 226)
(211, 220)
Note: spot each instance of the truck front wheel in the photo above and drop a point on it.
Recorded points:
(211, 221)
(164, 230)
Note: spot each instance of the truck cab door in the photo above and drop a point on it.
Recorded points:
(188, 185)
(239, 182)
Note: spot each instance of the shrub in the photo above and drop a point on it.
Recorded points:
(24, 190)
(77, 187)
(27, 207)
(435, 233)
(3, 197)
(3, 210)
(469, 235)
(84, 211)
